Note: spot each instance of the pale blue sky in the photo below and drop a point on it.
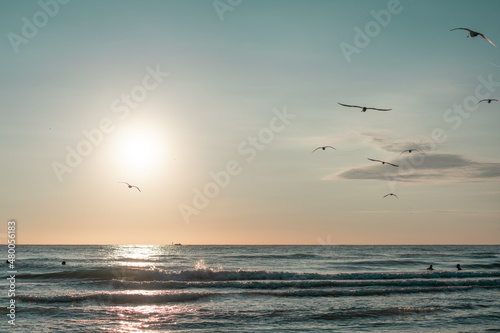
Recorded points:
(226, 81)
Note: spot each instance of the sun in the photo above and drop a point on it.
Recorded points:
(140, 149)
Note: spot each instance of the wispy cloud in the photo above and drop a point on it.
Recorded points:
(424, 165)
(380, 141)
(433, 167)
(357, 138)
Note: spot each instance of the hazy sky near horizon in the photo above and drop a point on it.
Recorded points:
(213, 109)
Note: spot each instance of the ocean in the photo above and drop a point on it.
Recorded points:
(324, 288)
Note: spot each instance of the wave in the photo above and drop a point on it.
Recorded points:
(363, 292)
(117, 298)
(349, 314)
(209, 274)
(295, 256)
(162, 297)
(388, 263)
(127, 285)
(486, 254)
(310, 284)
(485, 266)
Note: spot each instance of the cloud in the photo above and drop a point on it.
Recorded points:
(427, 167)
(380, 142)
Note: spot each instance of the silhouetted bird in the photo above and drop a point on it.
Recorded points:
(130, 186)
(474, 34)
(364, 108)
(391, 194)
(323, 148)
(489, 100)
(383, 162)
(410, 150)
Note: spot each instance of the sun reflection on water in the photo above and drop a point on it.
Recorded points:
(137, 255)
(131, 310)
(148, 317)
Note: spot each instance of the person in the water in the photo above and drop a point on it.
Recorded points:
(63, 263)
(458, 267)
(430, 268)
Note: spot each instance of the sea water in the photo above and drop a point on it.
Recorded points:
(329, 288)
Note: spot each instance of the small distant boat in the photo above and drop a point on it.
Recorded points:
(177, 244)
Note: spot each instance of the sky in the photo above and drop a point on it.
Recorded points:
(213, 109)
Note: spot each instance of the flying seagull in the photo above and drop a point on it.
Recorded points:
(391, 194)
(487, 100)
(383, 162)
(323, 148)
(364, 108)
(474, 34)
(130, 186)
(410, 150)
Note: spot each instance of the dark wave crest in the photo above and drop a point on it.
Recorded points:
(208, 274)
(117, 298)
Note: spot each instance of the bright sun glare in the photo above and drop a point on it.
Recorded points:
(140, 149)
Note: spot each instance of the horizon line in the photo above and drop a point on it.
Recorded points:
(258, 244)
